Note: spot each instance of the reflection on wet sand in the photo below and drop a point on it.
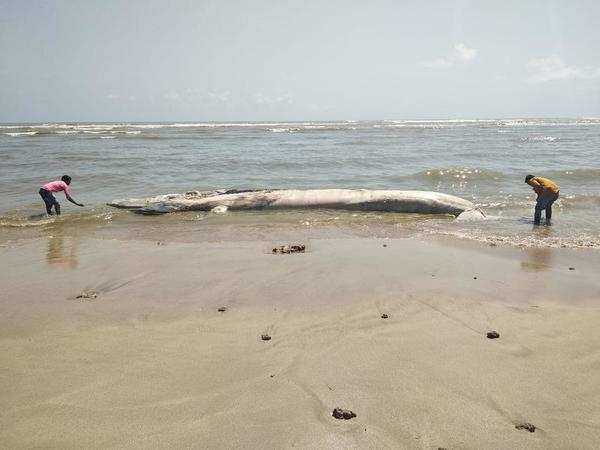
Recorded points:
(538, 259)
(62, 251)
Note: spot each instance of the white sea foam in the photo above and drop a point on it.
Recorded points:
(23, 133)
(281, 130)
(146, 126)
(540, 139)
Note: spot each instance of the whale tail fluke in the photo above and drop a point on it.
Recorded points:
(471, 215)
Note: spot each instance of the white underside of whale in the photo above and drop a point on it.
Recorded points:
(423, 202)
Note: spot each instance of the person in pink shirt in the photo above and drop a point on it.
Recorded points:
(47, 190)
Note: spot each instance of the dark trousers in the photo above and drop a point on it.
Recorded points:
(50, 201)
(544, 202)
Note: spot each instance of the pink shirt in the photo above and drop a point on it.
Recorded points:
(56, 186)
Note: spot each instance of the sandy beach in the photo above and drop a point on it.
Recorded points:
(151, 362)
(435, 165)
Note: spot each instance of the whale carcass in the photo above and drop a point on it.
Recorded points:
(423, 202)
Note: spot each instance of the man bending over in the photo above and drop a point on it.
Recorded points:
(547, 193)
(47, 190)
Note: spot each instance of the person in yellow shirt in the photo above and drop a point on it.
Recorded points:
(547, 193)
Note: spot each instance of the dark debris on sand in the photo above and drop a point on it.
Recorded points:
(87, 295)
(343, 414)
(493, 334)
(384, 316)
(525, 426)
(222, 309)
(265, 337)
(286, 249)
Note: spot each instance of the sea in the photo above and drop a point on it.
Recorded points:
(484, 161)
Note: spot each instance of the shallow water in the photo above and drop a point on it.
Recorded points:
(484, 161)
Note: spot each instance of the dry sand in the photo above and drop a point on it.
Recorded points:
(150, 362)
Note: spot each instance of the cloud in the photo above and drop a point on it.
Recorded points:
(460, 54)
(554, 68)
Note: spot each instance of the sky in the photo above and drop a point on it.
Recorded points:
(289, 60)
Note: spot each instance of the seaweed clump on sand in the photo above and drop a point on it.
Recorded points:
(525, 426)
(87, 295)
(285, 249)
(343, 414)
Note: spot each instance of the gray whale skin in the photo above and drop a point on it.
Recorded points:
(423, 202)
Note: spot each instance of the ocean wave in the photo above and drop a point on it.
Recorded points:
(578, 200)
(582, 173)
(435, 124)
(22, 133)
(21, 220)
(503, 125)
(282, 130)
(442, 121)
(547, 122)
(540, 139)
(25, 222)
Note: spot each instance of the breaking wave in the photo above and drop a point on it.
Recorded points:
(22, 133)
(540, 139)
(23, 130)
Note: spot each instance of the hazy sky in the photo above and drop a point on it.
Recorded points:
(294, 60)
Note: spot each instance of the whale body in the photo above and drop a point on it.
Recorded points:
(422, 202)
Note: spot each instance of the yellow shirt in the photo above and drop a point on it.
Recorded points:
(545, 184)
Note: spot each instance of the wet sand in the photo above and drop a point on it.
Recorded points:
(151, 362)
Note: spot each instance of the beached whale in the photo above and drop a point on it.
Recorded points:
(423, 202)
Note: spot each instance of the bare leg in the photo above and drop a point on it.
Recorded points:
(57, 208)
(549, 214)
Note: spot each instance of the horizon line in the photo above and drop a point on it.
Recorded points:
(274, 121)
